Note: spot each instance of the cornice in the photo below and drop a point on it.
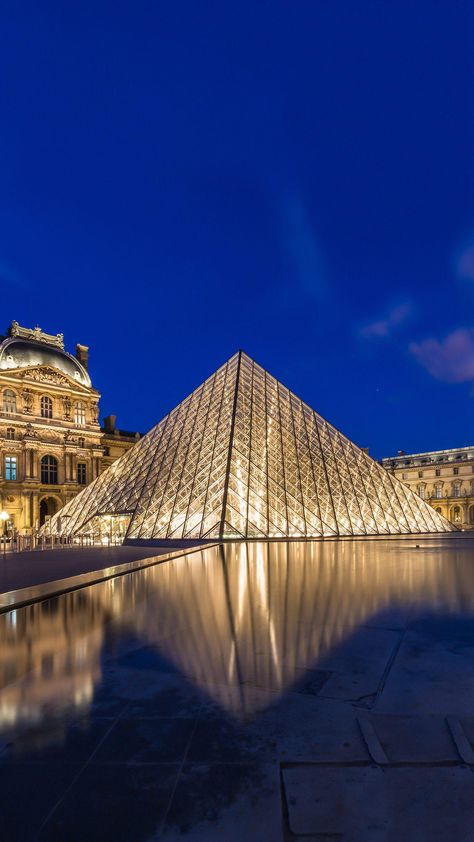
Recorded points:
(46, 377)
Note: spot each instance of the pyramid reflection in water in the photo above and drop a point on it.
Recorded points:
(243, 622)
(243, 457)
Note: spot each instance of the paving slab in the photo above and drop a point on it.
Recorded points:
(23, 570)
(371, 804)
(432, 672)
(226, 803)
(108, 803)
(415, 739)
(359, 663)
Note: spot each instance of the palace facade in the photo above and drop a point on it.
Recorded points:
(444, 478)
(52, 444)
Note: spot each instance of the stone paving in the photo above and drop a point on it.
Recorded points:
(26, 569)
(374, 741)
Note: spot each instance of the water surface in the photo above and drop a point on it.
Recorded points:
(247, 654)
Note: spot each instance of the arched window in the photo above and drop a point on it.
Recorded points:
(11, 433)
(471, 515)
(457, 489)
(46, 407)
(421, 491)
(80, 413)
(81, 442)
(438, 509)
(9, 401)
(456, 514)
(49, 470)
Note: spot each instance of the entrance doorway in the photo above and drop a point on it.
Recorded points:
(48, 506)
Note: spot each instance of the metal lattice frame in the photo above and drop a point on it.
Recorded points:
(243, 457)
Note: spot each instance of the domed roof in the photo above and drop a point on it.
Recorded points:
(25, 353)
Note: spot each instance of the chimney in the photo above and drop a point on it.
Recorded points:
(109, 423)
(82, 354)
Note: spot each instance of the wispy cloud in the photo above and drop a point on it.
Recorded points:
(451, 360)
(303, 247)
(464, 262)
(385, 325)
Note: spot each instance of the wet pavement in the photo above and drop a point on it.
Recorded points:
(261, 692)
(36, 567)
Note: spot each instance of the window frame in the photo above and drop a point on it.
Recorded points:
(12, 398)
(49, 470)
(11, 468)
(81, 473)
(80, 414)
(46, 406)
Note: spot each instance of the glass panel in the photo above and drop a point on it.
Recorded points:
(243, 456)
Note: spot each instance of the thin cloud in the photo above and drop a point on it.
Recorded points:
(451, 360)
(383, 327)
(464, 263)
(303, 247)
(464, 259)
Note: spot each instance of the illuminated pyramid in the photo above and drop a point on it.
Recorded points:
(243, 457)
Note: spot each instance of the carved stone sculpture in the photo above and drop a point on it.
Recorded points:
(27, 400)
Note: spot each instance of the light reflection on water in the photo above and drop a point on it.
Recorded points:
(239, 622)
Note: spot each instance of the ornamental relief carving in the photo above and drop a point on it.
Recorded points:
(41, 435)
(44, 376)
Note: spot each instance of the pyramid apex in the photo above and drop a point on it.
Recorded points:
(242, 457)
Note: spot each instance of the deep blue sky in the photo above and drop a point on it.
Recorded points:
(292, 177)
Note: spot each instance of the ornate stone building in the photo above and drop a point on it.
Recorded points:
(445, 478)
(51, 441)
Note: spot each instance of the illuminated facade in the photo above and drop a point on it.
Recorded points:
(445, 478)
(50, 439)
(243, 457)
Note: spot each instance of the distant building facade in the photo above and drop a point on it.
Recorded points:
(52, 444)
(444, 478)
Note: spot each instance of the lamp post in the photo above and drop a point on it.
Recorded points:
(4, 517)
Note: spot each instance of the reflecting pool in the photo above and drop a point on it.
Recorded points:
(186, 694)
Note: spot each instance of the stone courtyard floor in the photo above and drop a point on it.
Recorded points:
(247, 695)
(26, 569)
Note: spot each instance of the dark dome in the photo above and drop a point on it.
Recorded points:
(23, 353)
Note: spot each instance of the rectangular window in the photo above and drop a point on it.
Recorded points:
(10, 467)
(420, 474)
(438, 472)
(455, 471)
(81, 473)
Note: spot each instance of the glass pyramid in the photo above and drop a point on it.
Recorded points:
(243, 457)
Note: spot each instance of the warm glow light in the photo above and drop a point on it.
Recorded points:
(243, 457)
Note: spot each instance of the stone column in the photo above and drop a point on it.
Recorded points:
(35, 508)
(35, 465)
